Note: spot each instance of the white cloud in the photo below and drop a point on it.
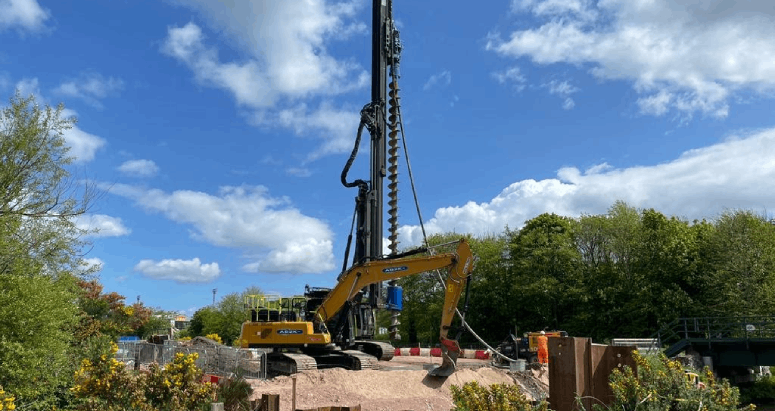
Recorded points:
(91, 265)
(28, 86)
(288, 61)
(270, 232)
(276, 78)
(90, 87)
(735, 174)
(83, 146)
(580, 9)
(139, 168)
(298, 171)
(563, 89)
(511, 75)
(104, 225)
(180, 271)
(442, 79)
(337, 127)
(246, 81)
(26, 14)
(684, 55)
(287, 39)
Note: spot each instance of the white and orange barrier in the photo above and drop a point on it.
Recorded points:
(436, 352)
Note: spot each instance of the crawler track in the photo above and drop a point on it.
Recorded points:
(362, 361)
(289, 363)
(382, 351)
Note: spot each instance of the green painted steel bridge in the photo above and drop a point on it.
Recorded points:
(729, 341)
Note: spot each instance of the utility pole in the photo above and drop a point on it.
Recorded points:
(215, 290)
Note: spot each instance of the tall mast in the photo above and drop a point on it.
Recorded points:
(378, 137)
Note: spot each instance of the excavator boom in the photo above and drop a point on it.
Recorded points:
(459, 265)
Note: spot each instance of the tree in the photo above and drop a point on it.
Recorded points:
(39, 199)
(545, 263)
(106, 314)
(665, 273)
(742, 262)
(40, 253)
(231, 308)
(491, 311)
(37, 316)
(205, 320)
(224, 319)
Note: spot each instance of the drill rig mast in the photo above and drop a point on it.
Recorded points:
(336, 326)
(370, 211)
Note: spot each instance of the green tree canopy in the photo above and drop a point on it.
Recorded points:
(225, 318)
(40, 253)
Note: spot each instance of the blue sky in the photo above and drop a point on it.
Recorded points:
(217, 130)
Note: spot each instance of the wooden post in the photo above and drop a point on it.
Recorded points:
(270, 402)
(293, 399)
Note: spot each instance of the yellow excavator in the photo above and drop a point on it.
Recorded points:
(301, 344)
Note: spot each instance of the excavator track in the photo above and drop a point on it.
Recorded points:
(382, 351)
(289, 363)
(363, 361)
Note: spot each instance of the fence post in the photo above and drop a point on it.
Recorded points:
(293, 399)
(263, 365)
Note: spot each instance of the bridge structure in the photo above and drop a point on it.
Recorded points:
(728, 341)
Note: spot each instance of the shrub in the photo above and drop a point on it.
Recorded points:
(497, 397)
(661, 384)
(762, 391)
(235, 394)
(7, 401)
(178, 386)
(215, 337)
(104, 383)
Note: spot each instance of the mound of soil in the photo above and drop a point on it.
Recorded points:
(385, 390)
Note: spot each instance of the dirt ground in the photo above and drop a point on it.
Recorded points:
(399, 384)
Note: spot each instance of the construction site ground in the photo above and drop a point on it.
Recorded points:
(399, 384)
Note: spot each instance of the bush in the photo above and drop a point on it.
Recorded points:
(235, 394)
(215, 337)
(662, 384)
(498, 397)
(7, 401)
(762, 391)
(104, 383)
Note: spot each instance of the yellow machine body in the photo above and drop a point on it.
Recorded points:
(282, 334)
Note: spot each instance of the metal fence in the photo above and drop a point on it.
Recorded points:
(213, 359)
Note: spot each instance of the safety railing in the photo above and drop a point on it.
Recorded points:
(685, 330)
